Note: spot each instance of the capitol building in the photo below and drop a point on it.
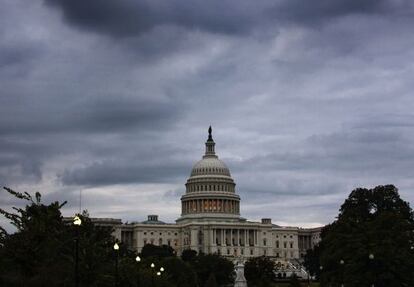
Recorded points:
(210, 221)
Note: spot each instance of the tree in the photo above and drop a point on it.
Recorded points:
(204, 265)
(294, 281)
(259, 269)
(188, 254)
(150, 250)
(312, 263)
(41, 251)
(179, 272)
(371, 242)
(211, 281)
(36, 254)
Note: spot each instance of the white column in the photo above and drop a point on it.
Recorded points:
(211, 238)
(255, 237)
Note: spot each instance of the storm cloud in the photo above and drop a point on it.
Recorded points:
(307, 99)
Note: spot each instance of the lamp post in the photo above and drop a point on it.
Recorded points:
(152, 274)
(342, 262)
(116, 248)
(371, 259)
(138, 260)
(77, 222)
(320, 273)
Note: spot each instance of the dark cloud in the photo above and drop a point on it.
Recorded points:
(103, 113)
(372, 150)
(133, 18)
(128, 17)
(316, 11)
(137, 171)
(308, 100)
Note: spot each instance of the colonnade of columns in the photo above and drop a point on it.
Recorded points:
(235, 237)
(193, 187)
(210, 205)
(305, 242)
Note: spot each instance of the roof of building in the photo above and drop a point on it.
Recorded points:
(153, 219)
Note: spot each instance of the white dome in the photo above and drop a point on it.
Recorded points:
(210, 190)
(210, 165)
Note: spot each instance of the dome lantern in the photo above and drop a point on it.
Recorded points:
(210, 152)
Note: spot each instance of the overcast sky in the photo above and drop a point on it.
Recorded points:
(307, 99)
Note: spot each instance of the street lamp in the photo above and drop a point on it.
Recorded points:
(342, 262)
(77, 221)
(320, 273)
(371, 259)
(162, 269)
(138, 259)
(116, 248)
(152, 274)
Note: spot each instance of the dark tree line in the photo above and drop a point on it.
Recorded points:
(371, 243)
(42, 253)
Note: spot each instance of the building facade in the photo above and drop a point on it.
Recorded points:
(210, 221)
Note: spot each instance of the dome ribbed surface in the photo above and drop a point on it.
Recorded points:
(210, 166)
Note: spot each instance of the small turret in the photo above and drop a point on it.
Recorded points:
(210, 152)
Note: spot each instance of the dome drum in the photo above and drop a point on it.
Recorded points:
(216, 186)
(210, 205)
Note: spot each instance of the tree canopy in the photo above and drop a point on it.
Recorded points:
(207, 264)
(259, 271)
(41, 253)
(371, 242)
(150, 250)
